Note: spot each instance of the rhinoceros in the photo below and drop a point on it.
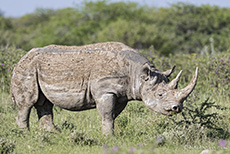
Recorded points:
(103, 75)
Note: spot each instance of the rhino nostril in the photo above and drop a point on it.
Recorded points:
(175, 108)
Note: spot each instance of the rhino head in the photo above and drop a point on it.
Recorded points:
(161, 96)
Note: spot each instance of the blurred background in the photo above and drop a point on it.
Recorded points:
(188, 26)
(12, 8)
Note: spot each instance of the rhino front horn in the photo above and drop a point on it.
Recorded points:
(184, 93)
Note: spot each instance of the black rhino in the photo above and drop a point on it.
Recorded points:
(104, 76)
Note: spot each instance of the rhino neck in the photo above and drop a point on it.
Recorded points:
(136, 95)
(134, 84)
(135, 63)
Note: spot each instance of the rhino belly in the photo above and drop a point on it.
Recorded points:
(67, 96)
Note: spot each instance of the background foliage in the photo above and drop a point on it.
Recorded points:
(182, 28)
(183, 35)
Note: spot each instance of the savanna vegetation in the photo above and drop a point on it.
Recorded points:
(183, 35)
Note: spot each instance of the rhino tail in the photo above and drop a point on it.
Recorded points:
(12, 95)
(13, 98)
(11, 89)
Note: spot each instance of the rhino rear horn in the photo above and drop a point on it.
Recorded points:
(169, 72)
(173, 84)
(184, 93)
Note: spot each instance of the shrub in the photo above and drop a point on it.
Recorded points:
(181, 28)
(9, 56)
(198, 122)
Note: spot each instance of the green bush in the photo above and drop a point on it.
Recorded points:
(198, 123)
(181, 28)
(9, 56)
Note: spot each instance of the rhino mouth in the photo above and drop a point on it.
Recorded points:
(169, 112)
(174, 109)
(166, 112)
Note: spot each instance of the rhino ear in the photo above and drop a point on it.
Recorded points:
(145, 72)
(169, 72)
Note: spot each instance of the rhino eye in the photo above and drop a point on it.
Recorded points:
(160, 95)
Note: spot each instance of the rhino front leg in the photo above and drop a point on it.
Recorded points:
(105, 107)
(45, 115)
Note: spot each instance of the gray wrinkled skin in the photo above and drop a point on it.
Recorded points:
(104, 76)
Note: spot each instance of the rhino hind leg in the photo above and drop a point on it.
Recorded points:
(24, 93)
(22, 119)
(45, 115)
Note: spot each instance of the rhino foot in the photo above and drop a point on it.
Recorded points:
(46, 122)
(45, 115)
(21, 124)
